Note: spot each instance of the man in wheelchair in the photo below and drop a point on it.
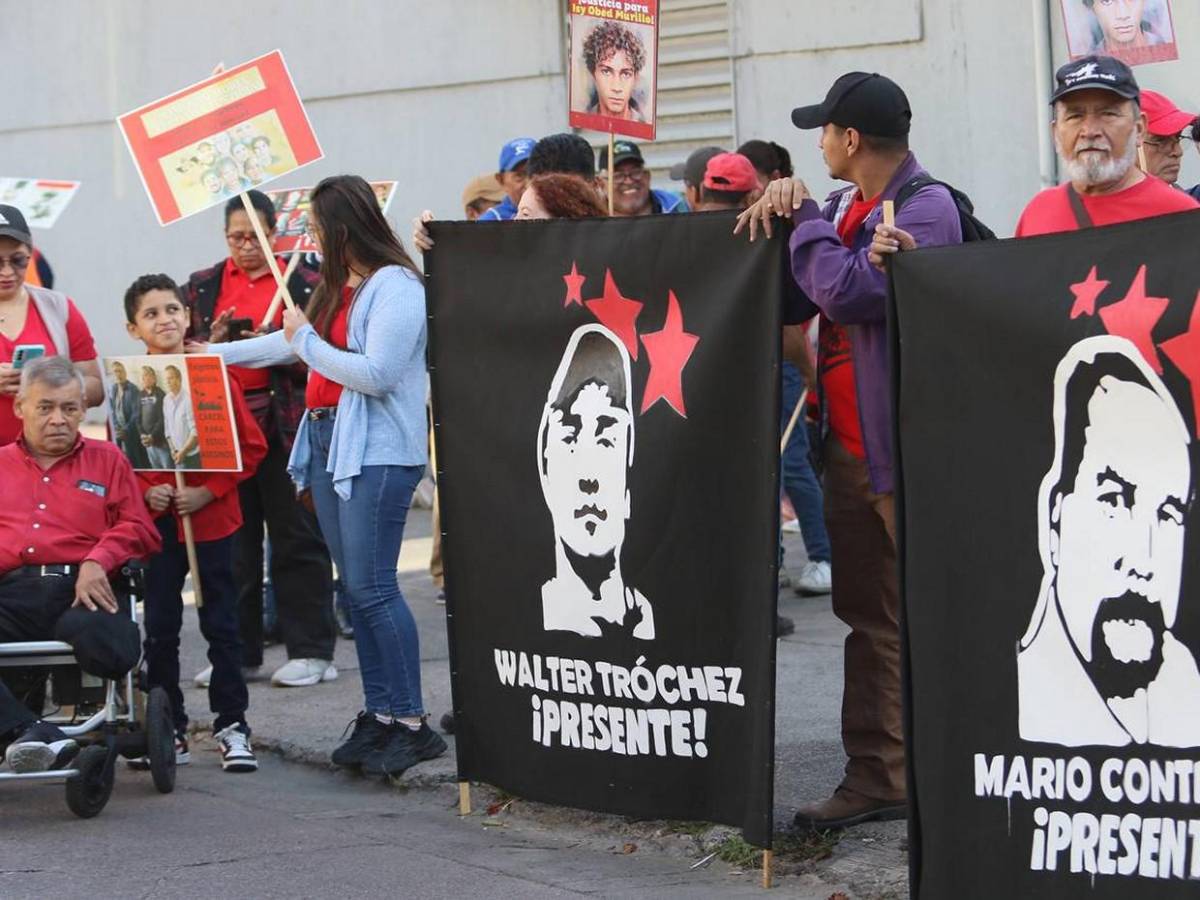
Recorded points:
(71, 515)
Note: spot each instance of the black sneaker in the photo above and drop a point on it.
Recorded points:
(447, 722)
(404, 749)
(369, 734)
(40, 748)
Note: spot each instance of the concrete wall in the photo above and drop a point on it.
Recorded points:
(427, 92)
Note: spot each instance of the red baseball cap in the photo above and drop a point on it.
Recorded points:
(730, 172)
(1165, 118)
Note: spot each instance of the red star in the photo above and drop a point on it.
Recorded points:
(618, 314)
(1086, 294)
(1184, 351)
(574, 287)
(1135, 317)
(669, 351)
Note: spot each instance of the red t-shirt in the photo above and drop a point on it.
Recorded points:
(835, 361)
(82, 348)
(1050, 211)
(321, 391)
(250, 298)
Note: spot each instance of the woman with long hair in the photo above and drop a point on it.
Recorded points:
(361, 450)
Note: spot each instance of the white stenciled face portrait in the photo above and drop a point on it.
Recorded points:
(586, 448)
(1119, 529)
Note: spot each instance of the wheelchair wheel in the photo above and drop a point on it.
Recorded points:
(88, 793)
(160, 740)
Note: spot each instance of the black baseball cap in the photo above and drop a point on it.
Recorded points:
(622, 150)
(867, 101)
(691, 170)
(1103, 73)
(12, 225)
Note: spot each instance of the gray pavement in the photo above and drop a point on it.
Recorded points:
(323, 808)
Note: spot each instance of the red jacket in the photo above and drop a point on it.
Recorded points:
(223, 516)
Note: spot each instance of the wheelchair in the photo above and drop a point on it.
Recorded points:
(126, 722)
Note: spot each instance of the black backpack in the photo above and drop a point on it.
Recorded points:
(972, 228)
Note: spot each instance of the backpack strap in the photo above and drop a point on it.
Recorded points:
(1082, 219)
(924, 181)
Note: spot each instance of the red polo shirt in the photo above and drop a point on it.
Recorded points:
(250, 298)
(223, 516)
(88, 505)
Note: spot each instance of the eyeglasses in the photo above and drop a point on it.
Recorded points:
(18, 261)
(632, 174)
(1171, 143)
(238, 238)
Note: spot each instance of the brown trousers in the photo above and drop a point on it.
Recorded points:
(866, 596)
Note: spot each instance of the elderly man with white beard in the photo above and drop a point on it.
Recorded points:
(1098, 125)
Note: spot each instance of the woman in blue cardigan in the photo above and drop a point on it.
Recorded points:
(361, 450)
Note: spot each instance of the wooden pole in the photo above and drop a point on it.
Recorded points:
(464, 798)
(273, 309)
(189, 539)
(889, 213)
(611, 169)
(263, 242)
(791, 425)
(1142, 157)
(767, 863)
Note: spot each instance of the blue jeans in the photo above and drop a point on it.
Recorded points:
(160, 457)
(799, 481)
(364, 534)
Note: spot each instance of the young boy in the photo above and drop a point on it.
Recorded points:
(157, 316)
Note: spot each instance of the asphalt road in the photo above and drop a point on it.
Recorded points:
(294, 831)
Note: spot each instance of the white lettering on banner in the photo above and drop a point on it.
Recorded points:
(652, 730)
(1120, 843)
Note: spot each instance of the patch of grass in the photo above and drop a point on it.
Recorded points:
(806, 846)
(735, 851)
(695, 829)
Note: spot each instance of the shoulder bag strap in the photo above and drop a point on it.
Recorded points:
(1081, 214)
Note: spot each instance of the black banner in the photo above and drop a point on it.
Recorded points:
(1047, 414)
(606, 409)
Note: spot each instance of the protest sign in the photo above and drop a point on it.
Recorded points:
(220, 137)
(1137, 32)
(172, 412)
(291, 215)
(40, 200)
(613, 75)
(607, 421)
(1048, 399)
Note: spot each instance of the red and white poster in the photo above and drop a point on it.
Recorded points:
(172, 412)
(1133, 31)
(291, 216)
(614, 66)
(212, 141)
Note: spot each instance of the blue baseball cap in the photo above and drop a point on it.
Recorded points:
(515, 152)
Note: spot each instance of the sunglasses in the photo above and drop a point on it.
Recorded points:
(18, 261)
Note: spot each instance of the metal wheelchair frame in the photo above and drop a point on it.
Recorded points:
(89, 778)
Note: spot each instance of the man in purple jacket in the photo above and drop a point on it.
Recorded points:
(864, 122)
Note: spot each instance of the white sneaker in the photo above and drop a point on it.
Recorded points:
(204, 676)
(791, 526)
(304, 673)
(815, 578)
(236, 753)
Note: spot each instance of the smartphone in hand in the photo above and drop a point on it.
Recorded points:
(27, 353)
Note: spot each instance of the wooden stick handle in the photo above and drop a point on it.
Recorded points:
(1142, 158)
(611, 170)
(265, 243)
(767, 866)
(889, 213)
(791, 425)
(189, 539)
(273, 309)
(464, 798)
